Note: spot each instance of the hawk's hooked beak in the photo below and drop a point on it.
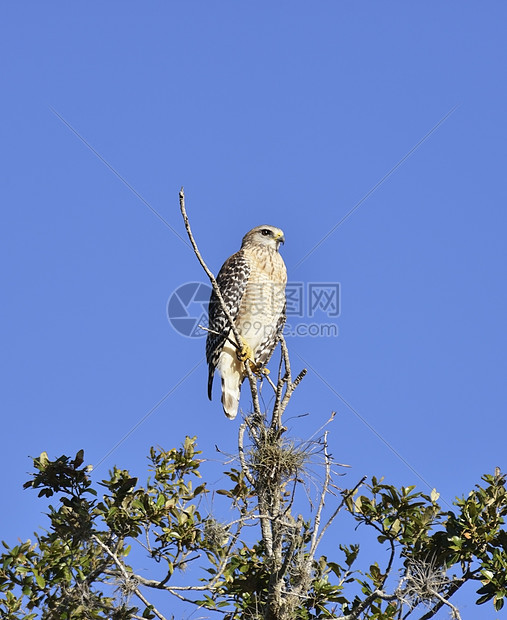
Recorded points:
(280, 238)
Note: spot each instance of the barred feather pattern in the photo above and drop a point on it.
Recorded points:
(252, 283)
(232, 280)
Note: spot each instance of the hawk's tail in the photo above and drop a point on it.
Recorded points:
(231, 385)
(230, 396)
(232, 374)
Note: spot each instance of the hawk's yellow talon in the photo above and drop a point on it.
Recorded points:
(245, 353)
(258, 370)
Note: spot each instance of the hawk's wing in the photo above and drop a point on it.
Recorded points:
(268, 345)
(232, 280)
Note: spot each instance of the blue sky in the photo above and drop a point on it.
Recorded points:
(280, 113)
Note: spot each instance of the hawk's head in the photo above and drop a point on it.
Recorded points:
(264, 235)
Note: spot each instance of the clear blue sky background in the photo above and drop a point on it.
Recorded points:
(285, 113)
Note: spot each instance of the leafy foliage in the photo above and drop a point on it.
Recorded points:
(64, 572)
(80, 569)
(431, 541)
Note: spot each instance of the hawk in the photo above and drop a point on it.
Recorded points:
(252, 283)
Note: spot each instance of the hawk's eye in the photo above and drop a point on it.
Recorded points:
(265, 232)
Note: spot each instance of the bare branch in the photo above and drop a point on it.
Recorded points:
(268, 379)
(367, 602)
(454, 610)
(241, 451)
(127, 576)
(340, 506)
(290, 551)
(322, 501)
(214, 331)
(216, 289)
(282, 402)
(392, 555)
(286, 360)
(455, 586)
(299, 378)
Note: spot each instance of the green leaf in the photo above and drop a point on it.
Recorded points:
(79, 458)
(395, 527)
(484, 599)
(41, 582)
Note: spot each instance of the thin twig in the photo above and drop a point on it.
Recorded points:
(454, 610)
(241, 452)
(189, 600)
(455, 586)
(317, 432)
(392, 555)
(216, 290)
(367, 602)
(322, 501)
(340, 506)
(268, 379)
(282, 402)
(214, 331)
(128, 577)
(158, 585)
